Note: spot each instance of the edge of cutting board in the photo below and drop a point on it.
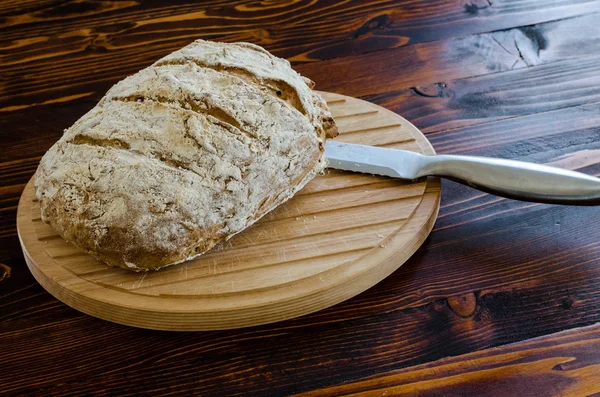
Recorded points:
(146, 300)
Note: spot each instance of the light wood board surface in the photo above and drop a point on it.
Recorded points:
(342, 234)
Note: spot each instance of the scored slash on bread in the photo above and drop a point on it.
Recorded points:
(184, 154)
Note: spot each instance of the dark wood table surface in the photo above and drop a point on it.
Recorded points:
(503, 297)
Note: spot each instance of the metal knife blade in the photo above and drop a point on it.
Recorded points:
(373, 160)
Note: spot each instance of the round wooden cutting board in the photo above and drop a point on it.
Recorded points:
(343, 233)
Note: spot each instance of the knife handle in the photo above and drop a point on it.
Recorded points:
(515, 179)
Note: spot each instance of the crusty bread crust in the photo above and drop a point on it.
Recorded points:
(184, 154)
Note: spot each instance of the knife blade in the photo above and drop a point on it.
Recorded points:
(508, 178)
(373, 160)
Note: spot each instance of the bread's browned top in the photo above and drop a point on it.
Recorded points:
(184, 154)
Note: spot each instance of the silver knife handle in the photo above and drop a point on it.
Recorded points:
(515, 179)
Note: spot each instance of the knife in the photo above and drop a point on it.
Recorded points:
(508, 178)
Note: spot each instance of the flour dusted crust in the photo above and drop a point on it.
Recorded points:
(184, 154)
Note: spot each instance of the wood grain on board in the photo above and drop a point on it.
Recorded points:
(341, 235)
(506, 78)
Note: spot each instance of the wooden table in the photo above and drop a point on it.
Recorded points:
(501, 300)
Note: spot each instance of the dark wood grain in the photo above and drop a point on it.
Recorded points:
(422, 65)
(436, 93)
(497, 96)
(54, 50)
(507, 78)
(565, 75)
(562, 364)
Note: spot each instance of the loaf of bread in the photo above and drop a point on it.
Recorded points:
(184, 154)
